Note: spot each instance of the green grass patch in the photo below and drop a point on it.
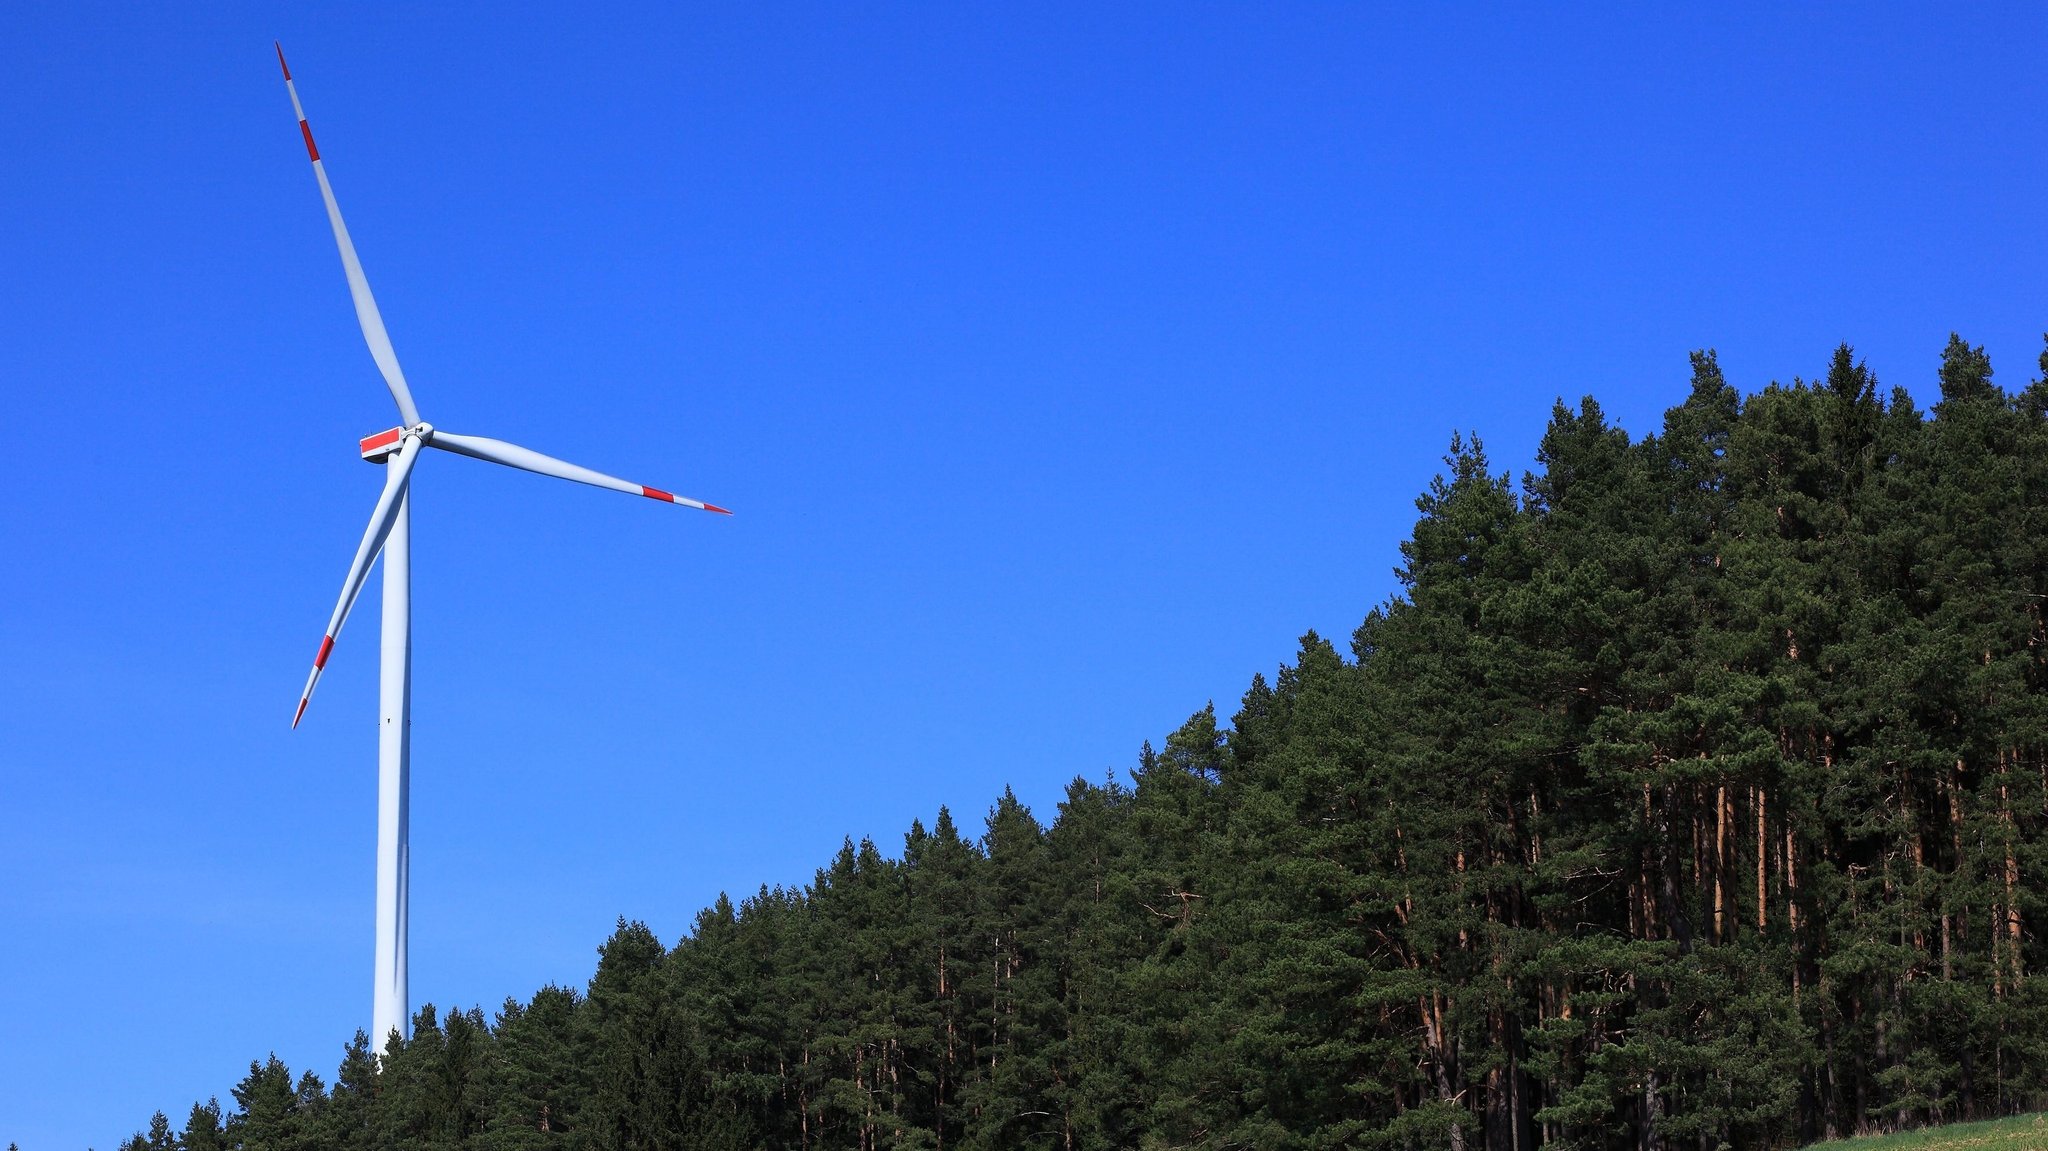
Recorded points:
(2019, 1133)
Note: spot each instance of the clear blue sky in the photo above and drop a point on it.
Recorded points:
(1062, 364)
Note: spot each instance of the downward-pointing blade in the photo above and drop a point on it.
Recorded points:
(397, 478)
(526, 459)
(358, 285)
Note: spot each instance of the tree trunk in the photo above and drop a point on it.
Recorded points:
(2013, 926)
(1442, 1069)
(1762, 897)
(1720, 862)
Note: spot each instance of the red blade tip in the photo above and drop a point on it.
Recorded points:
(716, 508)
(299, 713)
(280, 61)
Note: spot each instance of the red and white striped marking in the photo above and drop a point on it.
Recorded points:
(312, 153)
(671, 497)
(319, 662)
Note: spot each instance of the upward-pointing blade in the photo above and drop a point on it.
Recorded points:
(397, 478)
(358, 285)
(526, 459)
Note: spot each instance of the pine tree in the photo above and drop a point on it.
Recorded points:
(539, 1081)
(204, 1130)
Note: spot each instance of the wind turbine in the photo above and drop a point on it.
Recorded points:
(390, 532)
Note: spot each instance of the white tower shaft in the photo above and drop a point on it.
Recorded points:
(390, 1007)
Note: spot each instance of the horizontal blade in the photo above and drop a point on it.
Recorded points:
(397, 478)
(526, 459)
(358, 285)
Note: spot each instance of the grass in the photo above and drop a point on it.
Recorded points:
(2019, 1133)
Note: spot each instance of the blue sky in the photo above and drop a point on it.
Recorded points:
(1062, 363)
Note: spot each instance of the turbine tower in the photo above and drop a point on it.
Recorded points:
(390, 532)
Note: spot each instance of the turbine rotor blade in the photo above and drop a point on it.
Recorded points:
(526, 459)
(397, 479)
(358, 285)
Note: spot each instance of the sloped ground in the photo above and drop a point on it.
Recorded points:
(2020, 1133)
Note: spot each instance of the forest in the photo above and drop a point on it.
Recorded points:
(1692, 793)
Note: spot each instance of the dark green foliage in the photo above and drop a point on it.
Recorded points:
(204, 1130)
(1692, 794)
(158, 1138)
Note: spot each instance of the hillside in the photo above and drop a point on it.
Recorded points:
(1693, 792)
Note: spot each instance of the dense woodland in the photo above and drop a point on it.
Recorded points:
(1693, 793)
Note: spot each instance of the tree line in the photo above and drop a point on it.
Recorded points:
(1692, 793)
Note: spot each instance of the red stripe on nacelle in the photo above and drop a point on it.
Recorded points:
(656, 494)
(307, 132)
(381, 439)
(326, 645)
(280, 61)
